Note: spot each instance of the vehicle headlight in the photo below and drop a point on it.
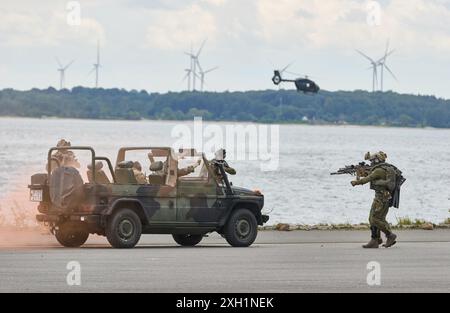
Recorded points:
(257, 192)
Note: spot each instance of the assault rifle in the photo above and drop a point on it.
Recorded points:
(360, 170)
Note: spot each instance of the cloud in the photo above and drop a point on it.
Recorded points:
(28, 26)
(176, 29)
(341, 24)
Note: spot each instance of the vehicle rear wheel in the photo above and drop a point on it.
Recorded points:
(124, 229)
(71, 235)
(187, 240)
(241, 228)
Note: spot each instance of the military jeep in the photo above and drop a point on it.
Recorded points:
(111, 203)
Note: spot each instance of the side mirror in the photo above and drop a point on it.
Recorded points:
(157, 166)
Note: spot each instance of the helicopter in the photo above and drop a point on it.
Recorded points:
(304, 85)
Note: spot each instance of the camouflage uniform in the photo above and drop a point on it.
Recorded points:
(381, 202)
(378, 177)
(220, 158)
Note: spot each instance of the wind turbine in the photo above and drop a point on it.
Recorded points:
(203, 74)
(374, 68)
(96, 65)
(194, 63)
(382, 63)
(62, 72)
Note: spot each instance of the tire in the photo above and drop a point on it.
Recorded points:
(71, 235)
(124, 229)
(187, 240)
(241, 229)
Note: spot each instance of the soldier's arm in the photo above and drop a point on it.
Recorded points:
(375, 175)
(185, 171)
(230, 170)
(151, 158)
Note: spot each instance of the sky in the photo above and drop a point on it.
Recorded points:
(142, 43)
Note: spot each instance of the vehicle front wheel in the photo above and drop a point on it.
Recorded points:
(71, 235)
(241, 228)
(124, 229)
(187, 240)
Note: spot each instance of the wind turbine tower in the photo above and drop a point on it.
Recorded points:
(97, 65)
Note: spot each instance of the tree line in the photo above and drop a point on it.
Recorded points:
(267, 106)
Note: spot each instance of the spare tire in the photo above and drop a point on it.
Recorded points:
(66, 188)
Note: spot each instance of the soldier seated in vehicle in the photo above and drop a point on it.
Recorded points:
(100, 176)
(137, 171)
(65, 157)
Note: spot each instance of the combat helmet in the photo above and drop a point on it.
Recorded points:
(378, 157)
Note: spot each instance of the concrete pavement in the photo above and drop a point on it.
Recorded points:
(297, 261)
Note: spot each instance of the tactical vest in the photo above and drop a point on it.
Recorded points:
(390, 180)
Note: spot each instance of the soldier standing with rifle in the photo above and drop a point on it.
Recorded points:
(386, 180)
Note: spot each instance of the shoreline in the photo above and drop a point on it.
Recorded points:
(300, 123)
(416, 225)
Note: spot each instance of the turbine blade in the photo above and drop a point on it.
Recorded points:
(91, 71)
(390, 72)
(198, 64)
(201, 48)
(365, 56)
(59, 63)
(383, 59)
(387, 48)
(211, 69)
(67, 66)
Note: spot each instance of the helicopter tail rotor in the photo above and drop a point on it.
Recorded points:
(276, 79)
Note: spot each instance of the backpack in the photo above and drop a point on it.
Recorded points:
(395, 181)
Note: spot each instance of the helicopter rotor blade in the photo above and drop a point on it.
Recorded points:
(286, 67)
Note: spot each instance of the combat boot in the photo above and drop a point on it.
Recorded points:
(380, 241)
(391, 240)
(372, 244)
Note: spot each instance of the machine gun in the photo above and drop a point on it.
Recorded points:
(360, 170)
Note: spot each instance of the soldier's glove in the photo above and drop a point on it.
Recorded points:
(354, 183)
